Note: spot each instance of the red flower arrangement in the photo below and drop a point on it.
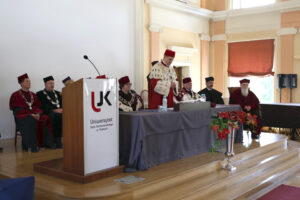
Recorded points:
(251, 122)
(223, 121)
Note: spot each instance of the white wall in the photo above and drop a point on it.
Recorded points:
(178, 20)
(253, 23)
(49, 37)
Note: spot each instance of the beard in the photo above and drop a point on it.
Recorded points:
(245, 91)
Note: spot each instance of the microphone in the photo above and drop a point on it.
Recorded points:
(87, 58)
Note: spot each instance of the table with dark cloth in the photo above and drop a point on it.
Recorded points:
(282, 115)
(149, 137)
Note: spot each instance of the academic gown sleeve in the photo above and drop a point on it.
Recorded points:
(253, 101)
(218, 96)
(155, 99)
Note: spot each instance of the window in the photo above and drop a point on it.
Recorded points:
(237, 4)
(251, 58)
(263, 87)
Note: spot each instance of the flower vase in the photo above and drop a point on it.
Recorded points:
(229, 149)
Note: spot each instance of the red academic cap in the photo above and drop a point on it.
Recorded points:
(187, 80)
(101, 77)
(124, 80)
(170, 53)
(22, 77)
(244, 81)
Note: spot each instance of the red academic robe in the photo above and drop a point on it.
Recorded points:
(17, 101)
(156, 99)
(251, 100)
(18, 104)
(161, 71)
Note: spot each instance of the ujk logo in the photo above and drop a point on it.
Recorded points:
(101, 100)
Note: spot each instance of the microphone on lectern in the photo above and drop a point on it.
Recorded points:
(87, 58)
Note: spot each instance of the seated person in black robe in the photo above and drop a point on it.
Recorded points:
(211, 94)
(129, 100)
(51, 101)
(35, 127)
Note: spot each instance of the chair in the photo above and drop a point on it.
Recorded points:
(39, 133)
(17, 133)
(232, 89)
(144, 95)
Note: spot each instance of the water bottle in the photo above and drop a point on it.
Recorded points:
(165, 104)
(203, 97)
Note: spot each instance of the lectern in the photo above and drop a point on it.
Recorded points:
(90, 132)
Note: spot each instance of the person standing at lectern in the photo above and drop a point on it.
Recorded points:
(163, 81)
(212, 95)
(129, 100)
(29, 117)
(51, 101)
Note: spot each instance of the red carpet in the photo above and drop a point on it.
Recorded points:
(282, 192)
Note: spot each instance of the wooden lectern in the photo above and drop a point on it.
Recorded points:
(90, 132)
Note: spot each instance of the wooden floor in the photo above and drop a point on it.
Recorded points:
(261, 166)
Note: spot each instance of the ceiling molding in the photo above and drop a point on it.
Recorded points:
(220, 37)
(286, 6)
(177, 15)
(205, 37)
(156, 28)
(181, 16)
(287, 31)
(181, 7)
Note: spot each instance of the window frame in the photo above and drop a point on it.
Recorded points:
(240, 4)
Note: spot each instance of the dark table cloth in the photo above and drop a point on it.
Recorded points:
(283, 115)
(149, 137)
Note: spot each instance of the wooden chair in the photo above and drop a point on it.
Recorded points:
(144, 95)
(17, 133)
(232, 89)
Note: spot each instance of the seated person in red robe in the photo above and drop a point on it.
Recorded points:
(186, 93)
(248, 102)
(163, 81)
(129, 100)
(29, 118)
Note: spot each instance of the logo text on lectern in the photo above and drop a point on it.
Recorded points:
(101, 101)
